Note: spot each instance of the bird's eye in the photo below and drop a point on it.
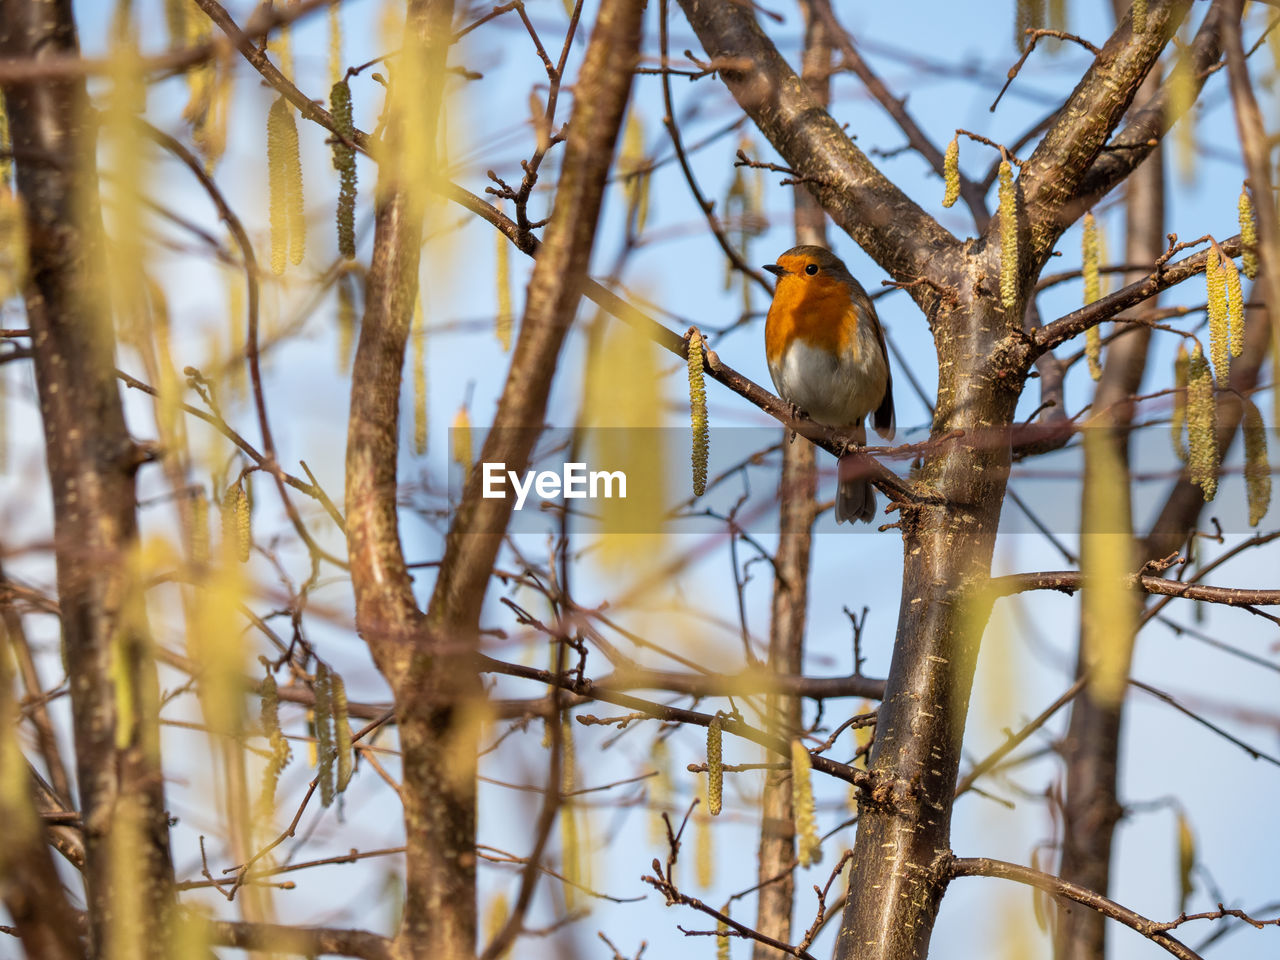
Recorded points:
(811, 269)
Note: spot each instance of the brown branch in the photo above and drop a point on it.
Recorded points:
(986, 867)
(677, 143)
(1069, 581)
(1051, 179)
(591, 689)
(973, 194)
(265, 19)
(309, 941)
(993, 759)
(1164, 277)
(1150, 122)
(892, 228)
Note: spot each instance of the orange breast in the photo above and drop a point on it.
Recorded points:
(816, 310)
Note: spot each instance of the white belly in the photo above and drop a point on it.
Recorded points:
(834, 391)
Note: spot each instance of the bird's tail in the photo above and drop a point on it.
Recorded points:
(855, 498)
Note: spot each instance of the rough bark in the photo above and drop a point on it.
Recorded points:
(91, 462)
(439, 800)
(30, 889)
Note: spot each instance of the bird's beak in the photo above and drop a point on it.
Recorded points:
(773, 268)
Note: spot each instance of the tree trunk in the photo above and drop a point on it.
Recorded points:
(91, 461)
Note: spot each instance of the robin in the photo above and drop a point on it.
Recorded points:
(827, 357)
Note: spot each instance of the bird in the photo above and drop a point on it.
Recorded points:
(827, 357)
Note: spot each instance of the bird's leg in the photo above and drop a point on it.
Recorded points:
(795, 413)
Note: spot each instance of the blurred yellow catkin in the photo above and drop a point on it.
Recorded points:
(495, 918)
(460, 437)
(1106, 555)
(1180, 108)
(1139, 16)
(704, 845)
(335, 43)
(808, 844)
(1008, 236)
(660, 790)
(633, 172)
(1257, 464)
(1186, 860)
(571, 845)
(504, 321)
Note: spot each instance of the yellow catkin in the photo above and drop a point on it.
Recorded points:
(1008, 237)
(279, 119)
(504, 322)
(1178, 422)
(199, 537)
(280, 752)
(698, 413)
(633, 172)
(323, 688)
(1092, 292)
(1186, 859)
(715, 766)
(951, 172)
(344, 161)
(1139, 16)
(1215, 282)
(419, 336)
(341, 732)
(1028, 15)
(460, 439)
(1235, 308)
(237, 522)
(335, 43)
(1257, 465)
(808, 845)
(1248, 233)
(722, 937)
(1202, 425)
